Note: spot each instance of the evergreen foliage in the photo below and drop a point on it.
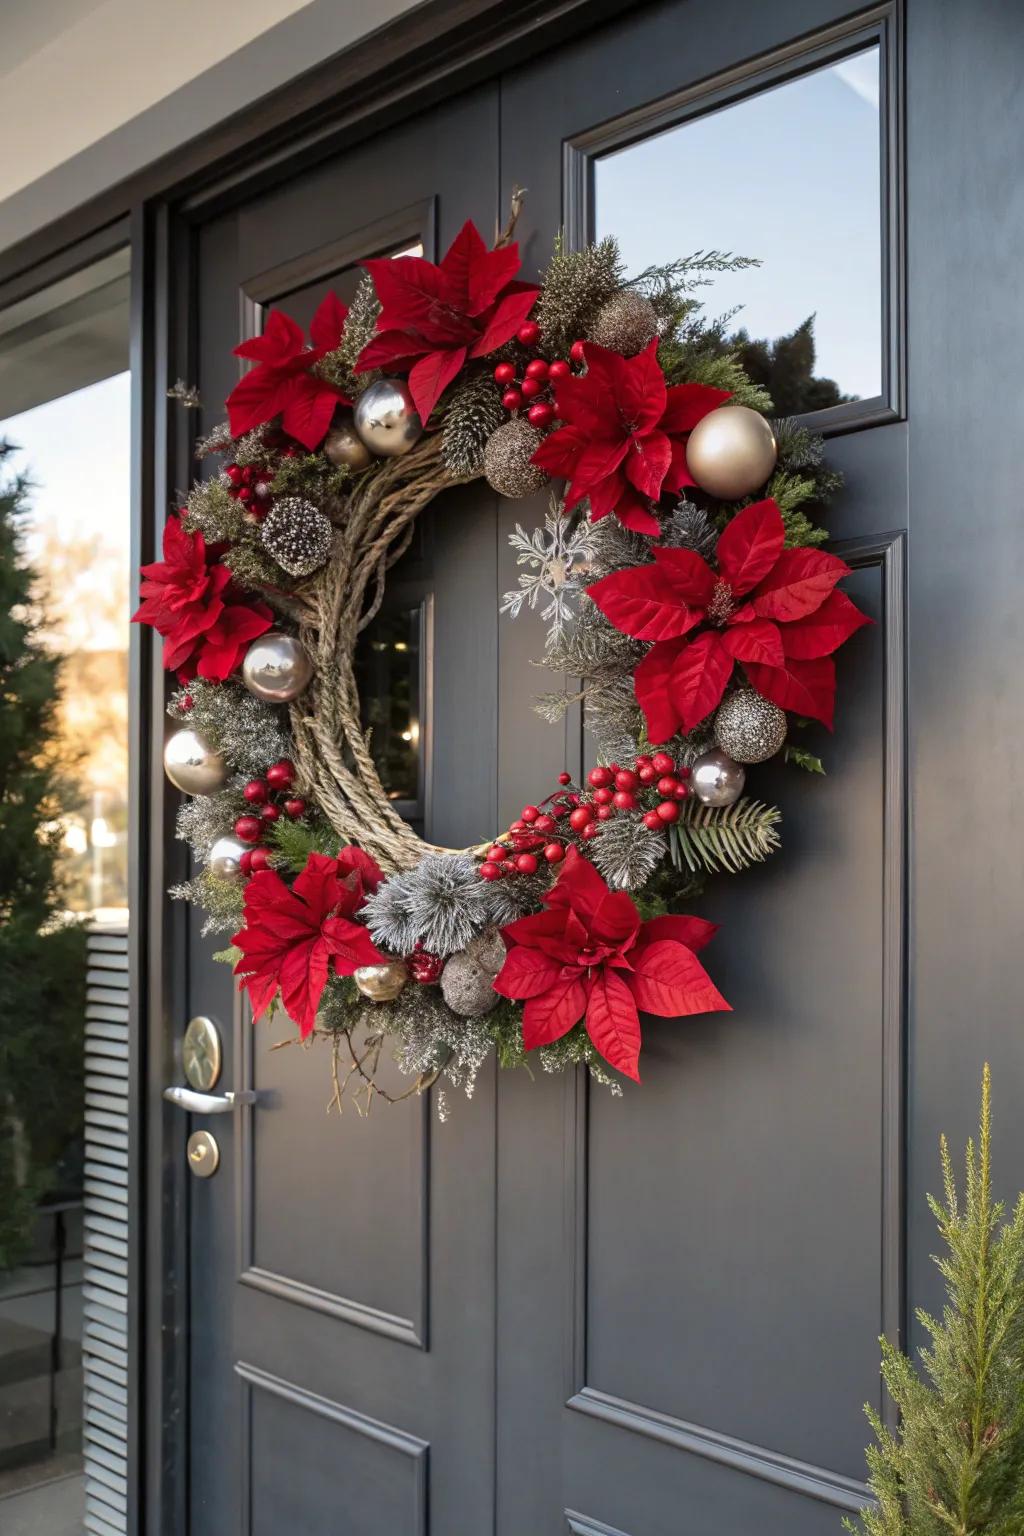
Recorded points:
(729, 838)
(784, 368)
(955, 1465)
(42, 958)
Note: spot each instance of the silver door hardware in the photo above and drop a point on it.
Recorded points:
(201, 1053)
(208, 1103)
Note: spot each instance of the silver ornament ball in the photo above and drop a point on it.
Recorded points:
(507, 458)
(386, 419)
(467, 988)
(343, 446)
(225, 860)
(731, 452)
(488, 951)
(716, 780)
(625, 323)
(192, 765)
(276, 668)
(748, 727)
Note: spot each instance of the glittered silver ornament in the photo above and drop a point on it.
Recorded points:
(386, 419)
(748, 727)
(276, 668)
(192, 765)
(716, 780)
(507, 460)
(625, 323)
(225, 860)
(344, 447)
(731, 452)
(297, 535)
(467, 988)
(488, 951)
(381, 983)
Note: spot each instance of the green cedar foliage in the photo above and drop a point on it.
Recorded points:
(42, 959)
(955, 1465)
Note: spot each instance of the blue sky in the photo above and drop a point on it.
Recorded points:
(790, 176)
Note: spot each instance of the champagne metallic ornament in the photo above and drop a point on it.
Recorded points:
(748, 727)
(716, 780)
(731, 452)
(276, 668)
(344, 447)
(381, 983)
(386, 419)
(225, 860)
(466, 987)
(625, 323)
(192, 765)
(507, 457)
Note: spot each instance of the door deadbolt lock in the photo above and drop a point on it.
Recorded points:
(203, 1154)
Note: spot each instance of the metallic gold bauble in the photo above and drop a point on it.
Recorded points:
(507, 460)
(731, 452)
(381, 983)
(344, 446)
(748, 727)
(276, 668)
(386, 419)
(716, 780)
(625, 323)
(225, 860)
(192, 765)
(467, 988)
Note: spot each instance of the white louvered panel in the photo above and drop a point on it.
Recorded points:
(105, 1287)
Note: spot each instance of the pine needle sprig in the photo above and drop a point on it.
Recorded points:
(724, 838)
(473, 412)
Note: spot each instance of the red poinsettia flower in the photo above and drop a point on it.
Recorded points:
(433, 317)
(283, 384)
(775, 610)
(292, 938)
(188, 599)
(624, 439)
(590, 957)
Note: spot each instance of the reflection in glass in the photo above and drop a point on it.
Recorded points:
(388, 677)
(790, 176)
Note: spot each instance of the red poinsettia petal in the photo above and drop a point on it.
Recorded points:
(225, 644)
(354, 860)
(303, 976)
(559, 454)
(318, 884)
(691, 577)
(477, 274)
(327, 324)
(552, 1014)
(608, 495)
(502, 323)
(526, 973)
(308, 409)
(641, 395)
(669, 980)
(392, 349)
(257, 398)
(799, 584)
(643, 602)
(805, 687)
(578, 887)
(759, 640)
(281, 341)
(411, 291)
(647, 463)
(678, 476)
(750, 545)
(599, 458)
(823, 632)
(262, 990)
(651, 686)
(613, 1023)
(634, 512)
(689, 403)
(694, 932)
(430, 378)
(591, 410)
(698, 679)
(349, 945)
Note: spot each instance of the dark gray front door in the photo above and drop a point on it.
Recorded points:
(656, 1315)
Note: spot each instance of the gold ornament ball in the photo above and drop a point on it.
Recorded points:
(381, 983)
(625, 323)
(386, 419)
(507, 457)
(192, 765)
(344, 447)
(731, 452)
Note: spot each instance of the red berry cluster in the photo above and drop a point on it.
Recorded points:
(250, 486)
(260, 793)
(533, 390)
(655, 785)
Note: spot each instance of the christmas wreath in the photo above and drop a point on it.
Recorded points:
(679, 576)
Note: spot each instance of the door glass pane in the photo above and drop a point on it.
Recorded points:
(64, 570)
(790, 176)
(388, 660)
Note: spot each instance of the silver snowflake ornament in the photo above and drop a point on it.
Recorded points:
(557, 557)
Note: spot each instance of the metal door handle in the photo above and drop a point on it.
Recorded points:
(208, 1103)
